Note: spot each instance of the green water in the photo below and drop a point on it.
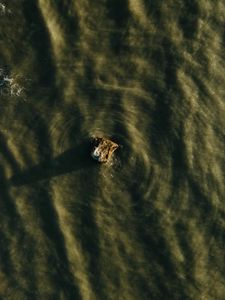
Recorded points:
(150, 224)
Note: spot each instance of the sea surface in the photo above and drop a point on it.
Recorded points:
(150, 223)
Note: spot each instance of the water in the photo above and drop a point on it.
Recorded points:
(149, 75)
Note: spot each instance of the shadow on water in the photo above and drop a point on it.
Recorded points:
(88, 234)
(118, 11)
(58, 261)
(40, 41)
(69, 17)
(7, 207)
(188, 20)
(71, 160)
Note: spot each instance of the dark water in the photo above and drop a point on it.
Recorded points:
(149, 75)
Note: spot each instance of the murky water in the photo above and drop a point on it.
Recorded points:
(150, 76)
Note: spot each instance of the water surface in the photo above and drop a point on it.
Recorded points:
(149, 75)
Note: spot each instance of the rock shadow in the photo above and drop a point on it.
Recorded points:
(69, 161)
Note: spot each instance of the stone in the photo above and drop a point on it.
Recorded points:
(103, 149)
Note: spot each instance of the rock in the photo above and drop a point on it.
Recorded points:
(103, 149)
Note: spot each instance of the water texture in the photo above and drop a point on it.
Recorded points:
(149, 75)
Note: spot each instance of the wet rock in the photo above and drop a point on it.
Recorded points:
(103, 149)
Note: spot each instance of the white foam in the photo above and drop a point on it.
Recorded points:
(4, 10)
(96, 154)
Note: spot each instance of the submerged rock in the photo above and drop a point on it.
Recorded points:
(103, 149)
